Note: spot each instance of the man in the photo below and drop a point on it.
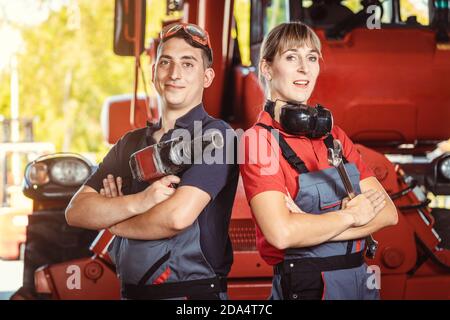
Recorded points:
(169, 243)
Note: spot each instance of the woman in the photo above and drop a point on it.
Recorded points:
(314, 240)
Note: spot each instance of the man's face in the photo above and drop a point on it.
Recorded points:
(180, 76)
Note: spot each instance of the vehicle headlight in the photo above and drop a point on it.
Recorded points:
(444, 168)
(69, 172)
(38, 174)
(64, 169)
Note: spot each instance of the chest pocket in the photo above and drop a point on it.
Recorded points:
(308, 198)
(320, 198)
(323, 191)
(330, 196)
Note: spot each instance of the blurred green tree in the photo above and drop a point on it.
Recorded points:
(67, 69)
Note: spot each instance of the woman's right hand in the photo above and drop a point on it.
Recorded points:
(157, 192)
(365, 206)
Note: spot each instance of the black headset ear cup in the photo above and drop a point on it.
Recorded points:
(269, 107)
(303, 120)
(297, 119)
(323, 123)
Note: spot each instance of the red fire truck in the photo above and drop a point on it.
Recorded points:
(386, 83)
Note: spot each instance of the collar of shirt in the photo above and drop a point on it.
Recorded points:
(186, 121)
(197, 113)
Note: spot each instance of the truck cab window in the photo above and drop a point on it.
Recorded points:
(415, 12)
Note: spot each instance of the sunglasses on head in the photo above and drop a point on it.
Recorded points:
(197, 34)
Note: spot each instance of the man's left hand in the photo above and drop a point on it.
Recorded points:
(111, 187)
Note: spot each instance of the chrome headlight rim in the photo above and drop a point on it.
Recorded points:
(444, 167)
(39, 178)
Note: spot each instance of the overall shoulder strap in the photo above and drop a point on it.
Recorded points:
(289, 154)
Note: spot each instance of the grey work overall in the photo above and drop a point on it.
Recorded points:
(331, 270)
(174, 268)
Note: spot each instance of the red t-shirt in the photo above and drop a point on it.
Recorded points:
(264, 168)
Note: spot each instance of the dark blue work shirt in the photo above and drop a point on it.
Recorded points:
(218, 180)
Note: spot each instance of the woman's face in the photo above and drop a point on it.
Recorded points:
(292, 74)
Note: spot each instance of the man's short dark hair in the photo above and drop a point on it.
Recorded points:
(206, 52)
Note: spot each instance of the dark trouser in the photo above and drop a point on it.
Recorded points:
(203, 289)
(317, 278)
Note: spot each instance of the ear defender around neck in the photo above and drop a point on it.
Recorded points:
(303, 120)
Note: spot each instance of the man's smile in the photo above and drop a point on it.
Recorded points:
(173, 86)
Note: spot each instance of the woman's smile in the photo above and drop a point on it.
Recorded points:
(302, 84)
